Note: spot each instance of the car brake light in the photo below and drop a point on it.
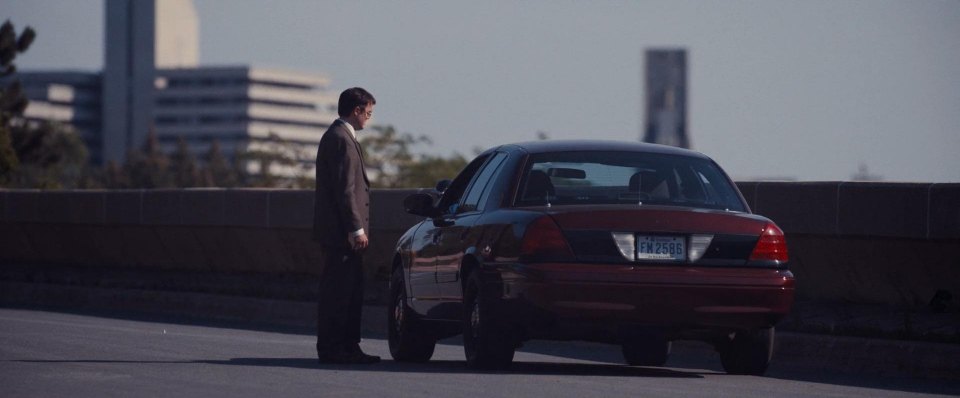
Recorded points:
(772, 245)
(544, 240)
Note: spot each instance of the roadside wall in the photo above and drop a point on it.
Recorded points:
(889, 243)
(885, 243)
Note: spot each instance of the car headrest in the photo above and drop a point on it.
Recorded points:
(539, 187)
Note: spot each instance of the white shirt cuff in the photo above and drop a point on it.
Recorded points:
(357, 233)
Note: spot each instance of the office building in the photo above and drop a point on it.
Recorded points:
(665, 97)
(71, 98)
(152, 81)
(243, 108)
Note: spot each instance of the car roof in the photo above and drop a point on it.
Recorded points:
(546, 146)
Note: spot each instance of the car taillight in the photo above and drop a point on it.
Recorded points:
(772, 246)
(544, 241)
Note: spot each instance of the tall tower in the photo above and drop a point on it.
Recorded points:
(665, 97)
(141, 35)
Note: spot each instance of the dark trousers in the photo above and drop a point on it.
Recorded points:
(341, 301)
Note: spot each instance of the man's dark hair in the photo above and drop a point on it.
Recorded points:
(352, 98)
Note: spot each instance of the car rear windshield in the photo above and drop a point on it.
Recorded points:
(605, 177)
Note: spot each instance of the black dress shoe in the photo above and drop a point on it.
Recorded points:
(343, 357)
(358, 357)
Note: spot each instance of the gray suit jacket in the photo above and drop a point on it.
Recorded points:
(342, 200)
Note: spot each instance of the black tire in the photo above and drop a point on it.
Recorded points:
(408, 337)
(652, 352)
(487, 345)
(748, 353)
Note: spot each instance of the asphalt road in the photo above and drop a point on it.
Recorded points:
(46, 354)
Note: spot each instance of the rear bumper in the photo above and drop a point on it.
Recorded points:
(548, 299)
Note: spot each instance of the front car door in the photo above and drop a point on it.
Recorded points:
(423, 268)
(459, 235)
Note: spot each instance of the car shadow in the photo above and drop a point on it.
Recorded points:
(436, 367)
(449, 367)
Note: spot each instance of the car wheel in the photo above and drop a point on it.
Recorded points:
(486, 344)
(407, 336)
(652, 352)
(748, 353)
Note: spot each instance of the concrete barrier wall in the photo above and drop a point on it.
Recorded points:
(859, 242)
(891, 243)
(220, 230)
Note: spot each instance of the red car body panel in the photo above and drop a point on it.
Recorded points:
(656, 219)
(671, 297)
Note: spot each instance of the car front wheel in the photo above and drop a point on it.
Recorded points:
(748, 353)
(408, 338)
(486, 344)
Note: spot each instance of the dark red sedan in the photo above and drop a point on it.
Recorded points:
(622, 243)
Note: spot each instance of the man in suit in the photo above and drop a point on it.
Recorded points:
(341, 223)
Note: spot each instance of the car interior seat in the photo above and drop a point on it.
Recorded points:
(539, 188)
(651, 183)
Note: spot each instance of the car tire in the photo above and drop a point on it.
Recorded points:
(408, 337)
(748, 352)
(487, 345)
(647, 352)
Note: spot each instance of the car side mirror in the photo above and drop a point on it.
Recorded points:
(442, 185)
(420, 204)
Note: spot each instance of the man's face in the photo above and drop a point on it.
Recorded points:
(363, 114)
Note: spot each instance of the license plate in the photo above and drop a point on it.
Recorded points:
(661, 248)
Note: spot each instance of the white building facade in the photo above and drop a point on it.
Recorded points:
(152, 80)
(243, 109)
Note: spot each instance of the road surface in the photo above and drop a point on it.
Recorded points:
(48, 354)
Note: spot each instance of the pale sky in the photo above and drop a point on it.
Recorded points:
(801, 89)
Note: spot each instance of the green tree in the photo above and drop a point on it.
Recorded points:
(218, 172)
(114, 176)
(392, 162)
(274, 163)
(186, 173)
(148, 168)
(12, 100)
(429, 169)
(51, 155)
(8, 157)
(387, 152)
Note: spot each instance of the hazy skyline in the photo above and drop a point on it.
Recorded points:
(808, 90)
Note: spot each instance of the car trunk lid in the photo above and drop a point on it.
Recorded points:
(700, 236)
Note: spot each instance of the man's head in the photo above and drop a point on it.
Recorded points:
(356, 107)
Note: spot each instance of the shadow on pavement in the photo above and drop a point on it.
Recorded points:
(527, 368)
(692, 361)
(438, 367)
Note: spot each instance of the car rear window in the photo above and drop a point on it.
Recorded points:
(606, 177)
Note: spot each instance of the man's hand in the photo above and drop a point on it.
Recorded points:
(359, 242)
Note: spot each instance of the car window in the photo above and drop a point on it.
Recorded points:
(493, 185)
(608, 177)
(450, 200)
(481, 183)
